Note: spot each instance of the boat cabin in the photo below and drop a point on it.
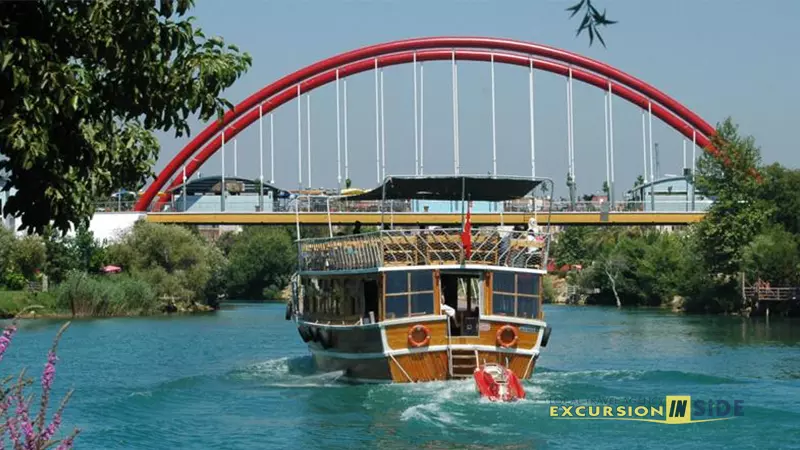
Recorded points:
(465, 271)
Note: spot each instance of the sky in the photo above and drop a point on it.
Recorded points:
(719, 58)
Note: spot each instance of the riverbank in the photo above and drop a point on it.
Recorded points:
(45, 305)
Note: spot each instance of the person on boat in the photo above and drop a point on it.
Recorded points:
(448, 310)
(357, 227)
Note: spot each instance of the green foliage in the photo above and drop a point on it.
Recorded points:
(262, 261)
(62, 256)
(549, 293)
(170, 258)
(98, 295)
(773, 256)
(592, 19)
(14, 302)
(738, 213)
(781, 187)
(83, 86)
(29, 256)
(702, 264)
(570, 246)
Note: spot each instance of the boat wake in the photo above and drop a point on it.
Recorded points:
(288, 372)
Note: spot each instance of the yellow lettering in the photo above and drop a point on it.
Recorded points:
(606, 411)
(596, 411)
(621, 411)
(640, 411)
(554, 411)
(567, 411)
(578, 411)
(656, 410)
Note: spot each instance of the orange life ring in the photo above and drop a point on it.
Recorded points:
(502, 331)
(413, 332)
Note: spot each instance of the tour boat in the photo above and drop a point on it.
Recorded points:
(497, 383)
(410, 302)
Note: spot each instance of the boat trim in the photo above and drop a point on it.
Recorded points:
(430, 318)
(378, 269)
(460, 267)
(434, 348)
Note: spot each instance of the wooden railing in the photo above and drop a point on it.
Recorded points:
(423, 247)
(776, 294)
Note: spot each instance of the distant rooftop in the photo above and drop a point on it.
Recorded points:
(451, 187)
(212, 184)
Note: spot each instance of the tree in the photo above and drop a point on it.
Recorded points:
(83, 85)
(29, 255)
(773, 257)
(176, 262)
(738, 213)
(606, 189)
(781, 187)
(62, 256)
(612, 265)
(261, 263)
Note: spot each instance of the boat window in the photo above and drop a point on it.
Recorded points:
(422, 281)
(526, 307)
(422, 303)
(396, 282)
(515, 294)
(503, 282)
(409, 293)
(396, 306)
(504, 304)
(346, 299)
(527, 283)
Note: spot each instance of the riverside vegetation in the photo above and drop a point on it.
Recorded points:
(165, 268)
(751, 231)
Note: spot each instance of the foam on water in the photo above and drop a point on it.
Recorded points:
(288, 372)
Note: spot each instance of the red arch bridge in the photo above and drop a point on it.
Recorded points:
(165, 199)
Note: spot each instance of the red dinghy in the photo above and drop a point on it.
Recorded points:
(497, 383)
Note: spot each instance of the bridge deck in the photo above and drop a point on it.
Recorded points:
(372, 218)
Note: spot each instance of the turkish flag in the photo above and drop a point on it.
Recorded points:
(466, 235)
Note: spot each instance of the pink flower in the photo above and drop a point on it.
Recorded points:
(51, 429)
(65, 444)
(49, 373)
(5, 339)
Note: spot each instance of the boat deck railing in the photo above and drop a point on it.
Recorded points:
(416, 247)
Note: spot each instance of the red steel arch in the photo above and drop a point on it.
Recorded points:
(430, 49)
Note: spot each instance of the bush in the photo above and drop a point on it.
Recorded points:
(101, 295)
(174, 261)
(262, 261)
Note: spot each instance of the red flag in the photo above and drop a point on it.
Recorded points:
(466, 234)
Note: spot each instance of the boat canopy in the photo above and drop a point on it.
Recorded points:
(451, 187)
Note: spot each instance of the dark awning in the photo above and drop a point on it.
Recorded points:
(476, 188)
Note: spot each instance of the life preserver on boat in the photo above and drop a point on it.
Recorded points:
(419, 336)
(503, 339)
(546, 336)
(289, 310)
(305, 333)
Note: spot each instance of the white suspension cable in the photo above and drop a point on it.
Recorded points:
(338, 137)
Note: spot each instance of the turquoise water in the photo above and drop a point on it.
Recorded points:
(242, 379)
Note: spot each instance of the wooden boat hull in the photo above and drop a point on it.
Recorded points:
(383, 352)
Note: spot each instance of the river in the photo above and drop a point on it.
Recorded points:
(241, 378)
